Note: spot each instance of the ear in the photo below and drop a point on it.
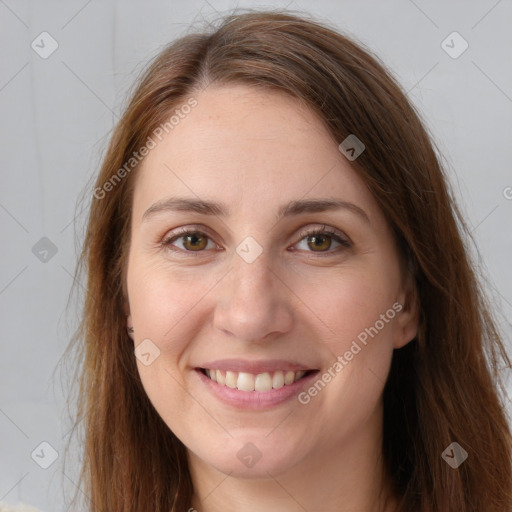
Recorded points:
(407, 318)
(126, 306)
(127, 313)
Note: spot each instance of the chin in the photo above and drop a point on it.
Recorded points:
(252, 457)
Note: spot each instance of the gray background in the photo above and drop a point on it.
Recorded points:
(57, 113)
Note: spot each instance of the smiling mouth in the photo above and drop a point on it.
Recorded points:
(261, 382)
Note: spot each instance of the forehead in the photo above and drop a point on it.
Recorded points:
(250, 148)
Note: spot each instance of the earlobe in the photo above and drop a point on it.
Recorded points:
(129, 326)
(407, 320)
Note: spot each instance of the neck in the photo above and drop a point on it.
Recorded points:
(345, 478)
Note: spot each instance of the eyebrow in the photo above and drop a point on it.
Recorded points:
(291, 209)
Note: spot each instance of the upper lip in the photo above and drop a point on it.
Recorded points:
(256, 367)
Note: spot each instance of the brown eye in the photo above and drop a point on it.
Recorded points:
(194, 242)
(191, 241)
(319, 242)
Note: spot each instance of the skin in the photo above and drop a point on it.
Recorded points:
(254, 151)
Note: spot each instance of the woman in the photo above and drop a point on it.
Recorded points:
(281, 313)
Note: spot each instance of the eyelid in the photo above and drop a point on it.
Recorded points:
(183, 231)
(338, 237)
(324, 229)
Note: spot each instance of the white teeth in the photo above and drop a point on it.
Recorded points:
(245, 382)
(263, 382)
(278, 380)
(289, 377)
(299, 375)
(231, 379)
(249, 382)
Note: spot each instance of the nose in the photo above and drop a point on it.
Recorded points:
(253, 302)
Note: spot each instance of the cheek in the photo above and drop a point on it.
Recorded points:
(162, 301)
(163, 306)
(356, 309)
(348, 303)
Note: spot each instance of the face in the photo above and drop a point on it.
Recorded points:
(265, 331)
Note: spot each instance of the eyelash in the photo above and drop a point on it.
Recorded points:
(324, 230)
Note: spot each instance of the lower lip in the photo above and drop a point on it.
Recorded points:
(255, 399)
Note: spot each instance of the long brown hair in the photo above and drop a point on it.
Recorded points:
(443, 387)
